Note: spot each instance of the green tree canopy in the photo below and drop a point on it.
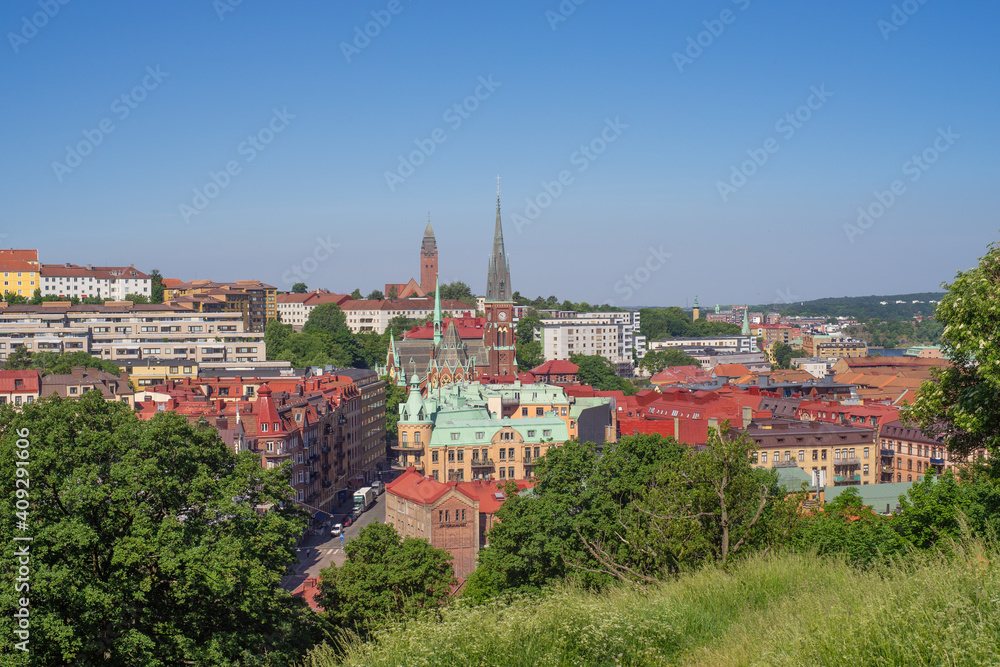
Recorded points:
(299, 288)
(460, 291)
(56, 362)
(375, 295)
(600, 373)
(148, 546)
(657, 360)
(356, 294)
(386, 579)
(156, 286)
(784, 353)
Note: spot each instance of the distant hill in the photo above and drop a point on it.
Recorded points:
(862, 307)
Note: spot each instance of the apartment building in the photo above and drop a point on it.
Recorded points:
(75, 384)
(736, 343)
(614, 336)
(122, 332)
(294, 309)
(906, 453)
(843, 454)
(375, 314)
(20, 387)
(104, 282)
(468, 431)
(256, 301)
(821, 345)
(20, 272)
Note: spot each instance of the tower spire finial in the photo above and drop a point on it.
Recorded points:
(498, 188)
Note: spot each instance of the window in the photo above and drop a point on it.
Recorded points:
(451, 456)
(263, 427)
(524, 412)
(763, 457)
(403, 438)
(510, 473)
(434, 457)
(537, 450)
(510, 454)
(539, 412)
(486, 455)
(802, 455)
(72, 390)
(503, 473)
(815, 454)
(866, 469)
(454, 436)
(546, 433)
(788, 456)
(440, 515)
(503, 454)
(822, 455)
(447, 515)
(866, 453)
(463, 514)
(480, 435)
(562, 411)
(461, 455)
(531, 433)
(416, 437)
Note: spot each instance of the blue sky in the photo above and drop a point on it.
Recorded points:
(667, 99)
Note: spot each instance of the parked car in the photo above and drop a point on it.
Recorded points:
(348, 521)
(337, 529)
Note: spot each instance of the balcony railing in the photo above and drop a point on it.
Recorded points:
(847, 461)
(482, 463)
(403, 464)
(405, 447)
(890, 453)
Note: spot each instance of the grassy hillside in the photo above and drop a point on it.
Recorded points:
(779, 610)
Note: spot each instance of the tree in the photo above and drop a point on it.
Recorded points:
(657, 360)
(528, 351)
(600, 373)
(136, 298)
(459, 291)
(960, 403)
(848, 528)
(392, 293)
(386, 579)
(356, 294)
(18, 360)
(376, 295)
(299, 288)
(394, 395)
(156, 286)
(14, 299)
(784, 353)
(329, 318)
(58, 362)
(148, 545)
(275, 336)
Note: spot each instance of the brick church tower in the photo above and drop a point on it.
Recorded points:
(500, 336)
(428, 261)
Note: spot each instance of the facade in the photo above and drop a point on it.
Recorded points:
(375, 314)
(20, 387)
(738, 343)
(818, 367)
(841, 454)
(74, 384)
(817, 345)
(294, 309)
(122, 332)
(614, 336)
(20, 276)
(256, 301)
(500, 336)
(557, 372)
(906, 453)
(473, 431)
(329, 429)
(104, 282)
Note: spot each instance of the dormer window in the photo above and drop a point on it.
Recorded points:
(263, 427)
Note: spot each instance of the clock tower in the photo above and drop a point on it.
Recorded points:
(500, 335)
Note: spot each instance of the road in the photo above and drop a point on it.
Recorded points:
(318, 551)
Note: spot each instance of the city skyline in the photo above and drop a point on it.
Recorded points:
(704, 141)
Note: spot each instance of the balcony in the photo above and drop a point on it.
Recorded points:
(403, 465)
(937, 462)
(889, 453)
(482, 463)
(406, 447)
(887, 469)
(851, 461)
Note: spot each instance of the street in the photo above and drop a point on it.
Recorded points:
(318, 551)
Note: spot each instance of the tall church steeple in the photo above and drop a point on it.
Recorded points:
(438, 320)
(498, 277)
(428, 259)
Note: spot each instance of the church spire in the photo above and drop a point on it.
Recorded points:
(498, 277)
(437, 313)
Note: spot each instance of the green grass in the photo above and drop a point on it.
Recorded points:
(779, 610)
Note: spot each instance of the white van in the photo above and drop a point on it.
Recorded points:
(379, 487)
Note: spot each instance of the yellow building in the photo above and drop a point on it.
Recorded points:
(156, 371)
(257, 301)
(20, 272)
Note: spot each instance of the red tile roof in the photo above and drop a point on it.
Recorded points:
(556, 367)
(23, 255)
(414, 487)
(468, 328)
(103, 272)
(31, 382)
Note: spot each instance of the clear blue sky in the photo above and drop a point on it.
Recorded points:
(656, 185)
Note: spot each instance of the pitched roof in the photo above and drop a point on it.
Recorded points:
(556, 367)
(101, 272)
(730, 370)
(30, 380)
(22, 255)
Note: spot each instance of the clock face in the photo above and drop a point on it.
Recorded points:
(502, 316)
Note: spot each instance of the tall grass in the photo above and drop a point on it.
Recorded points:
(789, 609)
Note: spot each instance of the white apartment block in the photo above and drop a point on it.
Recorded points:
(375, 315)
(106, 282)
(738, 343)
(818, 367)
(294, 309)
(610, 335)
(125, 332)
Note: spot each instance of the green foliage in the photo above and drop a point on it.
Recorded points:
(898, 333)
(136, 298)
(156, 286)
(356, 294)
(658, 323)
(394, 395)
(861, 307)
(784, 353)
(56, 362)
(276, 334)
(460, 291)
(552, 303)
(961, 401)
(600, 373)
(385, 580)
(657, 360)
(375, 295)
(299, 288)
(148, 548)
(13, 299)
(392, 293)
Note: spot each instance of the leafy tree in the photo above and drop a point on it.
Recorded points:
(36, 298)
(528, 351)
(376, 295)
(372, 348)
(13, 299)
(299, 288)
(58, 363)
(657, 360)
(148, 547)
(156, 286)
(392, 293)
(961, 401)
(848, 528)
(90, 300)
(784, 353)
(386, 579)
(460, 291)
(275, 336)
(18, 360)
(356, 294)
(600, 373)
(328, 318)
(394, 395)
(136, 298)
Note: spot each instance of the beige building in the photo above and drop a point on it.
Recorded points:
(20, 387)
(73, 385)
(122, 332)
(375, 315)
